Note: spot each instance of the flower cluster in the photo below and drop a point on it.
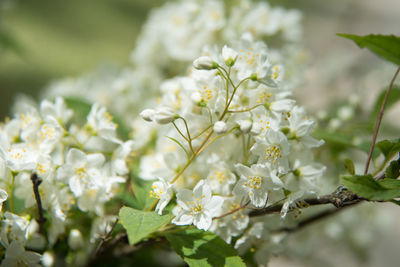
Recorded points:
(80, 169)
(232, 138)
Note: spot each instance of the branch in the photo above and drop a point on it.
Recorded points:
(312, 219)
(104, 239)
(36, 181)
(340, 198)
(379, 120)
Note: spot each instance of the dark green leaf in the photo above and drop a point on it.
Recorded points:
(392, 171)
(140, 224)
(394, 97)
(389, 148)
(200, 249)
(9, 42)
(140, 198)
(384, 46)
(82, 109)
(349, 165)
(367, 187)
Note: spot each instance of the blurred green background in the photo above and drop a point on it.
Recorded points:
(50, 39)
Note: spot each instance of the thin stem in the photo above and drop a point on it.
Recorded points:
(179, 131)
(201, 133)
(379, 120)
(188, 134)
(104, 239)
(194, 155)
(216, 138)
(12, 192)
(36, 181)
(245, 110)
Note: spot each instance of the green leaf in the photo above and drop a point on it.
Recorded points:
(393, 170)
(367, 187)
(82, 108)
(140, 224)
(349, 165)
(394, 97)
(200, 249)
(384, 46)
(389, 148)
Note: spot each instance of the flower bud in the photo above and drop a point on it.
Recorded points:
(245, 125)
(75, 240)
(220, 127)
(256, 129)
(229, 56)
(196, 97)
(147, 114)
(164, 115)
(205, 63)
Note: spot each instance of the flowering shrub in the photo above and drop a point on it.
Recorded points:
(203, 147)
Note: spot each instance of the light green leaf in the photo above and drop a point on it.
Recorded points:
(393, 170)
(367, 187)
(384, 46)
(82, 108)
(200, 249)
(140, 224)
(341, 140)
(349, 165)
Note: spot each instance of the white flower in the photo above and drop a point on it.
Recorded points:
(220, 178)
(18, 157)
(16, 255)
(197, 207)
(204, 63)
(147, 114)
(256, 182)
(81, 171)
(100, 122)
(57, 111)
(232, 224)
(3, 197)
(120, 156)
(162, 190)
(229, 55)
(273, 150)
(220, 127)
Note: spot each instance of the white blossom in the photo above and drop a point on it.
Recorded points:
(198, 206)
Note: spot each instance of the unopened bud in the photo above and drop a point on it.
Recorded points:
(245, 125)
(147, 114)
(220, 127)
(229, 56)
(164, 115)
(75, 240)
(205, 63)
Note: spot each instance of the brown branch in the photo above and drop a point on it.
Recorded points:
(104, 239)
(340, 198)
(36, 181)
(379, 120)
(312, 219)
(232, 211)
